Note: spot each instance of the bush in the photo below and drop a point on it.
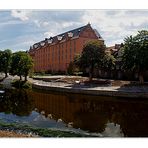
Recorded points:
(21, 84)
(70, 69)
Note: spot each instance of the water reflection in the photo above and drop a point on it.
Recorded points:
(112, 130)
(94, 114)
(115, 117)
(16, 102)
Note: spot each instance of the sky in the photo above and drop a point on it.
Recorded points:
(19, 29)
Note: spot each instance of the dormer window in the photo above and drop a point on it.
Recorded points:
(42, 43)
(35, 46)
(31, 47)
(59, 38)
(49, 41)
(70, 34)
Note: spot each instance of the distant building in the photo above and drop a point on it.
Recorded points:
(114, 49)
(55, 53)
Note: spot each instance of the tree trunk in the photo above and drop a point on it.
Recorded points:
(6, 75)
(90, 73)
(90, 76)
(141, 78)
(25, 78)
(20, 77)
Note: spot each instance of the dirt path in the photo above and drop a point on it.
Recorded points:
(13, 134)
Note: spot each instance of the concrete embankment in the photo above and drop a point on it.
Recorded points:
(116, 91)
(132, 92)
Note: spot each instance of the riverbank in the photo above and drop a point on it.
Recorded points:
(12, 134)
(80, 85)
(66, 103)
(102, 87)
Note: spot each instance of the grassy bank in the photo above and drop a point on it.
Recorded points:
(41, 132)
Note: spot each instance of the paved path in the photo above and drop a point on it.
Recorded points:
(7, 82)
(127, 91)
(131, 91)
(92, 87)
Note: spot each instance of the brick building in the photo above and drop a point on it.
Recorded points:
(55, 53)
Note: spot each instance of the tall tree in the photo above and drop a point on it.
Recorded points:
(108, 62)
(5, 60)
(91, 57)
(0, 61)
(135, 55)
(21, 64)
(27, 65)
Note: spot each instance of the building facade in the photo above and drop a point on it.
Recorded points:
(55, 53)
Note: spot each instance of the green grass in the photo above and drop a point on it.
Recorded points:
(42, 132)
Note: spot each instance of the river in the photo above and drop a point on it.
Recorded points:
(92, 115)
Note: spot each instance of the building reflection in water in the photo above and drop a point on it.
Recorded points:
(106, 115)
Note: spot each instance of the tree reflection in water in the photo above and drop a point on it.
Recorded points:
(16, 102)
(115, 117)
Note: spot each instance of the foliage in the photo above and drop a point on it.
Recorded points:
(43, 132)
(5, 60)
(135, 56)
(21, 64)
(108, 62)
(71, 68)
(93, 56)
(16, 101)
(21, 84)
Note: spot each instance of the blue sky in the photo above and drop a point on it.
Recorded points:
(21, 28)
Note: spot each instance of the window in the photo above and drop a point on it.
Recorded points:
(70, 53)
(53, 54)
(66, 53)
(74, 46)
(70, 43)
(59, 55)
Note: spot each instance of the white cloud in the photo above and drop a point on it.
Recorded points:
(66, 24)
(48, 34)
(114, 25)
(10, 22)
(21, 14)
(45, 24)
(39, 23)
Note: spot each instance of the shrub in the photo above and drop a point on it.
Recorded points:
(21, 84)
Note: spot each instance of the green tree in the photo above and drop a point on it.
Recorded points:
(0, 61)
(108, 62)
(5, 60)
(71, 68)
(21, 64)
(92, 56)
(135, 54)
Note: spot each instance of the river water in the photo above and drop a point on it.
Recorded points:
(94, 115)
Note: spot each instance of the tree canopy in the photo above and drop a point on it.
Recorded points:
(108, 62)
(5, 60)
(135, 55)
(21, 64)
(93, 56)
